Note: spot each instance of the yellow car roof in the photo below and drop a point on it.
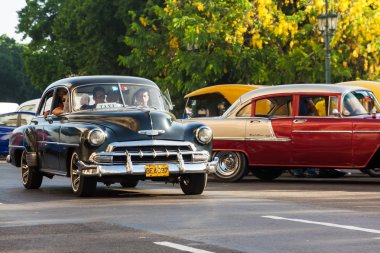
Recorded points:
(230, 91)
(372, 85)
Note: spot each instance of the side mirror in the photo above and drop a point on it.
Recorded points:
(336, 113)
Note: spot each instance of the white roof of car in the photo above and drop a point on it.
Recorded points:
(8, 107)
(300, 88)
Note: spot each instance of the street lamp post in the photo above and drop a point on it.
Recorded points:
(327, 25)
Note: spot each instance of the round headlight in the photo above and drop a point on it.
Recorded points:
(204, 135)
(96, 137)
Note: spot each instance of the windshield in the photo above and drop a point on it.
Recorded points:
(359, 103)
(111, 96)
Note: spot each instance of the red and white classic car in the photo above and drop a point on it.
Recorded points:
(275, 128)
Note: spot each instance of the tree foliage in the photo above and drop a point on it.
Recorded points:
(14, 84)
(185, 44)
(189, 44)
(72, 38)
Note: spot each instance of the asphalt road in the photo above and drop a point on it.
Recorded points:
(287, 215)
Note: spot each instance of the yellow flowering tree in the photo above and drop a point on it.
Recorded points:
(191, 44)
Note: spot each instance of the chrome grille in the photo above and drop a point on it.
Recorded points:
(152, 149)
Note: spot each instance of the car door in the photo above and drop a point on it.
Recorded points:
(8, 122)
(268, 131)
(321, 138)
(52, 129)
(47, 134)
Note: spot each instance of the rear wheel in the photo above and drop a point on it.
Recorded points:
(193, 184)
(129, 183)
(232, 166)
(266, 174)
(31, 178)
(373, 172)
(81, 186)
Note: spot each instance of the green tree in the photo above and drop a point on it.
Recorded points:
(14, 84)
(73, 38)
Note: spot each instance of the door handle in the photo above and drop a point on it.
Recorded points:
(299, 120)
(34, 121)
(255, 121)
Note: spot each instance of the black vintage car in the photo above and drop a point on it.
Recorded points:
(110, 129)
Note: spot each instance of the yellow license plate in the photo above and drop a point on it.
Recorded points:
(157, 170)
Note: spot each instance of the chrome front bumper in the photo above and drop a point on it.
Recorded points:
(131, 158)
(139, 169)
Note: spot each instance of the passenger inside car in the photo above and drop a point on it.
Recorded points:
(113, 97)
(84, 100)
(60, 101)
(141, 97)
(307, 107)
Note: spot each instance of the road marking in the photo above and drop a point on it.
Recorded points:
(374, 231)
(182, 247)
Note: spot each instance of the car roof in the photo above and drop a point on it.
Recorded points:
(101, 79)
(8, 107)
(300, 88)
(230, 91)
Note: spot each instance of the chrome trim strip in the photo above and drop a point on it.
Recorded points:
(269, 139)
(273, 139)
(59, 143)
(323, 131)
(366, 131)
(230, 138)
(151, 132)
(15, 146)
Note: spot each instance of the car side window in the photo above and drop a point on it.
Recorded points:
(25, 119)
(47, 102)
(280, 106)
(9, 120)
(322, 106)
(245, 111)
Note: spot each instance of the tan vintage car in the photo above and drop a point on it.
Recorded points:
(272, 129)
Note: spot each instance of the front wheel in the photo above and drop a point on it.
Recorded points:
(232, 166)
(31, 178)
(81, 186)
(193, 184)
(266, 174)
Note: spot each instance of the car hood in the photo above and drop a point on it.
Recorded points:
(135, 125)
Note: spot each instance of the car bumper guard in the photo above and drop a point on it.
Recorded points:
(101, 164)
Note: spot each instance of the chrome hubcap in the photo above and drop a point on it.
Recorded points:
(229, 163)
(75, 177)
(24, 169)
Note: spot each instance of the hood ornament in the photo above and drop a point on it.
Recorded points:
(151, 132)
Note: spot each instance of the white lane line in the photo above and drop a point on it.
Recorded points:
(374, 231)
(182, 247)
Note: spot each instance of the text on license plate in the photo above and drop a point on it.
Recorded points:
(157, 170)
